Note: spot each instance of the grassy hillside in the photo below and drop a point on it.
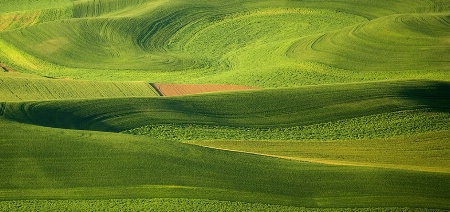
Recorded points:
(258, 43)
(69, 164)
(123, 43)
(353, 114)
(407, 46)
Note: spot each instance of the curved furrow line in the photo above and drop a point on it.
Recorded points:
(24, 15)
(394, 43)
(154, 34)
(107, 43)
(256, 40)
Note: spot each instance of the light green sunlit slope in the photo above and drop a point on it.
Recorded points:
(408, 46)
(259, 43)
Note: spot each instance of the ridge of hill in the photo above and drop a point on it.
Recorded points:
(260, 108)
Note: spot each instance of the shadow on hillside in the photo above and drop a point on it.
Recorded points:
(2, 108)
(32, 113)
(433, 95)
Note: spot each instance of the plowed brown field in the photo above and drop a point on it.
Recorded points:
(186, 89)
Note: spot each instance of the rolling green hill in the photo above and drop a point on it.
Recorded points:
(353, 111)
(407, 46)
(71, 164)
(196, 173)
(258, 43)
(268, 108)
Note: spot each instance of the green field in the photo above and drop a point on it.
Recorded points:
(353, 113)
(15, 89)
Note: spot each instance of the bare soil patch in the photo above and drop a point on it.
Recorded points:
(186, 89)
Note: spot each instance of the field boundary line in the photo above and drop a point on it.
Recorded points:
(341, 163)
(156, 89)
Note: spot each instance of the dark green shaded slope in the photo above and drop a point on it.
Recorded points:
(264, 108)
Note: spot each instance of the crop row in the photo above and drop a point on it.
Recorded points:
(26, 89)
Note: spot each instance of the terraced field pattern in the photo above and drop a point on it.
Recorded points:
(237, 105)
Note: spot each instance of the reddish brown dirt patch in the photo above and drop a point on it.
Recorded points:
(186, 89)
